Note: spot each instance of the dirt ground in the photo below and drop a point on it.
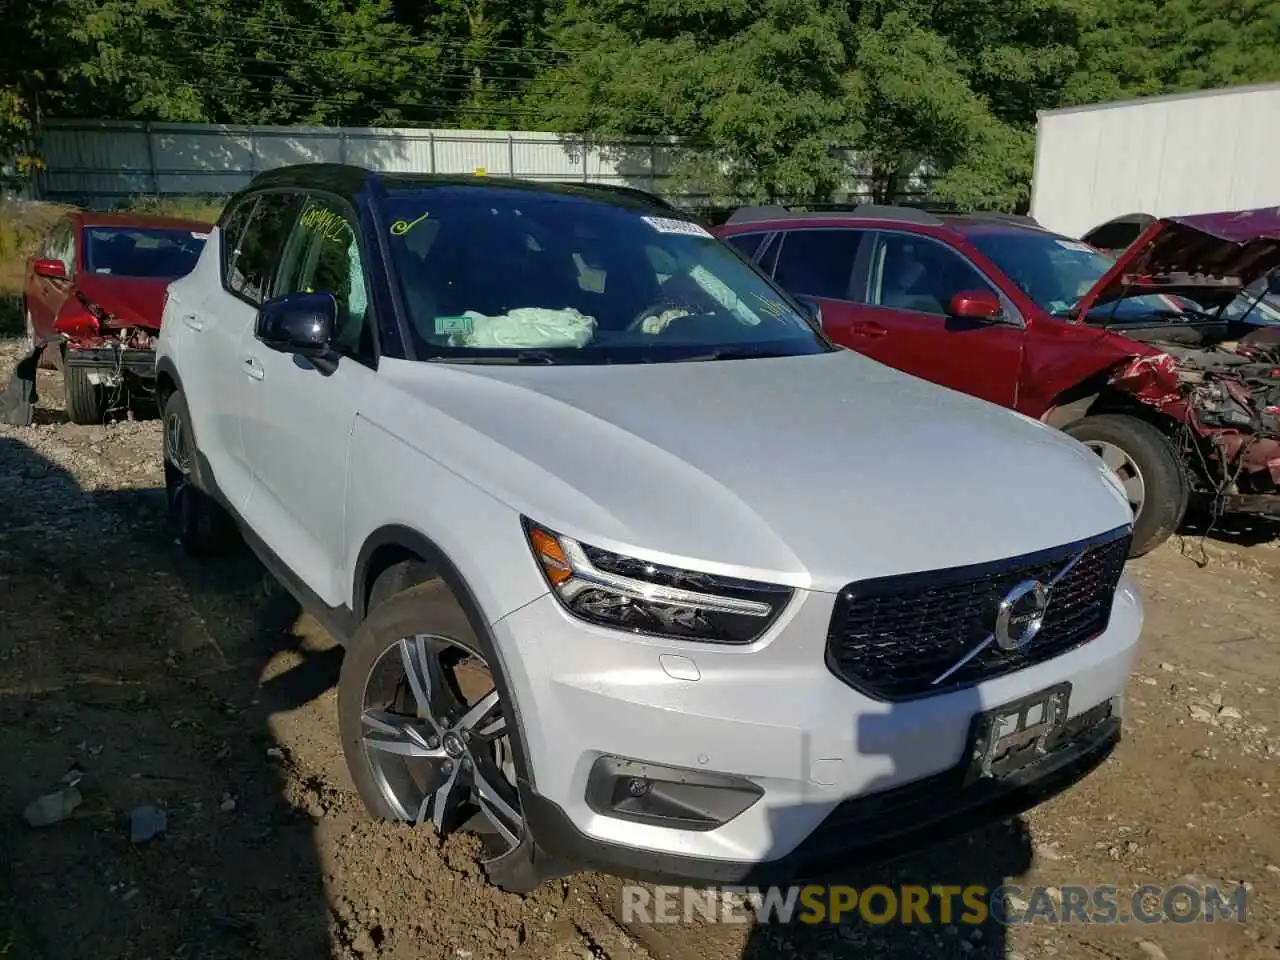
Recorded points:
(197, 689)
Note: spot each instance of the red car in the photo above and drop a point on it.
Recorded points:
(1131, 355)
(93, 297)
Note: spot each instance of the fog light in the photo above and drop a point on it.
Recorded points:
(667, 796)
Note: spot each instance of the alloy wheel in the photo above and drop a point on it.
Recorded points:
(175, 444)
(436, 739)
(1124, 467)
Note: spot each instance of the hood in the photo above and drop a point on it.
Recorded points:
(132, 301)
(810, 471)
(1207, 257)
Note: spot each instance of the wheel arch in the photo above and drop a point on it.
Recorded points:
(1095, 395)
(395, 543)
(167, 380)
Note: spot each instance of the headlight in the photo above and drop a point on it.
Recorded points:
(642, 597)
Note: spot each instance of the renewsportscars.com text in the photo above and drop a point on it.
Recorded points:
(913, 904)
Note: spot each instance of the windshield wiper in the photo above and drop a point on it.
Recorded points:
(519, 356)
(735, 355)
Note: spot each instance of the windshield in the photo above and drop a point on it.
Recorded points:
(163, 253)
(1248, 307)
(500, 274)
(1056, 273)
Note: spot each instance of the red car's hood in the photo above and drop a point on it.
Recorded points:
(1207, 257)
(130, 301)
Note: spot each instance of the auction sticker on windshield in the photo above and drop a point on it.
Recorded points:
(683, 227)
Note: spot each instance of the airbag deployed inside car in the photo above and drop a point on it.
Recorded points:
(522, 328)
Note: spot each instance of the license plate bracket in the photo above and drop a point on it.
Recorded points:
(1012, 736)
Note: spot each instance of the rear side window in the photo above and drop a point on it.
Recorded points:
(818, 263)
(747, 243)
(252, 258)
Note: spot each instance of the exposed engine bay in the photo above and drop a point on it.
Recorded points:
(1222, 381)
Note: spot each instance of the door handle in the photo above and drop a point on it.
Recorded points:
(253, 368)
(867, 328)
(192, 321)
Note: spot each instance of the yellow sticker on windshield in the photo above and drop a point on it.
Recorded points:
(332, 226)
(401, 227)
(773, 308)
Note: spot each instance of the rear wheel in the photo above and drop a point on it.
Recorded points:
(426, 731)
(197, 521)
(86, 400)
(1149, 469)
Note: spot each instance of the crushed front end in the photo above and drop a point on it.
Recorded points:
(1208, 352)
(116, 353)
(1225, 398)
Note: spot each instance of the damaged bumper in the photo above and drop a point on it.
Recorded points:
(1264, 504)
(108, 365)
(1227, 395)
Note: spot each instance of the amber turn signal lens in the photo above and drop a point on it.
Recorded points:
(549, 553)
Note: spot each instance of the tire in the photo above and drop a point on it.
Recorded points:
(86, 401)
(1166, 490)
(195, 519)
(377, 705)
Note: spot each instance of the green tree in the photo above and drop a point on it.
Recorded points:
(755, 89)
(319, 61)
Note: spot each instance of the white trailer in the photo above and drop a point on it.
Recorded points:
(1165, 156)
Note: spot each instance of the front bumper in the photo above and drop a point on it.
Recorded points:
(842, 775)
(1263, 504)
(109, 363)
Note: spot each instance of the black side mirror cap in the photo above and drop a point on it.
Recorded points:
(300, 323)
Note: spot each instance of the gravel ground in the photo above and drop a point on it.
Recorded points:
(149, 680)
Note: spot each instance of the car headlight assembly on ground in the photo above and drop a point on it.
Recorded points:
(625, 593)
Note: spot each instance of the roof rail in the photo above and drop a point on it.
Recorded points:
(999, 217)
(756, 214)
(876, 211)
(869, 211)
(625, 191)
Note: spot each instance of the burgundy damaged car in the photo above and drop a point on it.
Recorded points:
(93, 297)
(1161, 359)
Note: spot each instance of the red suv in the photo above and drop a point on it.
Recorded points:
(1132, 356)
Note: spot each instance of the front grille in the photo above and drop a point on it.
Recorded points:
(894, 636)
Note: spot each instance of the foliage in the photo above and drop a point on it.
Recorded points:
(779, 98)
(207, 209)
(22, 225)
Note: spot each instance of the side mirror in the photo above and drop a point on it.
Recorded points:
(975, 305)
(300, 323)
(49, 269)
(1273, 282)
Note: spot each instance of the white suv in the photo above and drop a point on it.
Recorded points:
(634, 569)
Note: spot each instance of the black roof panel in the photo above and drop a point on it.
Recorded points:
(346, 180)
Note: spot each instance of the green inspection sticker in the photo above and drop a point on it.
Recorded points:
(448, 326)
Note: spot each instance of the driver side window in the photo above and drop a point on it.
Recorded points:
(323, 255)
(918, 274)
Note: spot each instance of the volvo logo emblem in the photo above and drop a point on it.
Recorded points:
(1020, 615)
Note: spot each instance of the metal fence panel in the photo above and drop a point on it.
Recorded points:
(103, 163)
